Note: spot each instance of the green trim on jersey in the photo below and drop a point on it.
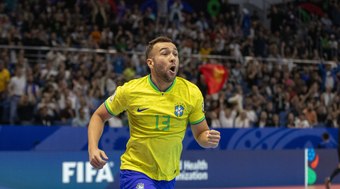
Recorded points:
(156, 88)
(198, 121)
(108, 109)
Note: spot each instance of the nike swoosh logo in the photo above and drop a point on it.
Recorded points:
(142, 109)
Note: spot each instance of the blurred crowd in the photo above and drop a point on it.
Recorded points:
(266, 87)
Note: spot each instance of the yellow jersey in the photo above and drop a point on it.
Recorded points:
(157, 121)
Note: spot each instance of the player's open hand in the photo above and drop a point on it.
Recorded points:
(213, 138)
(98, 158)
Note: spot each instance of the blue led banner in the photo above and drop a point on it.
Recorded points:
(40, 138)
(199, 169)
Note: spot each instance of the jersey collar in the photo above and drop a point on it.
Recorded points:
(156, 88)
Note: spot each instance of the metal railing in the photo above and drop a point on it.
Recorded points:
(41, 52)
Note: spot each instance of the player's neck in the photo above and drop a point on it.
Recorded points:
(160, 84)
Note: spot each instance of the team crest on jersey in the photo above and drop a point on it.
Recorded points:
(179, 110)
(140, 186)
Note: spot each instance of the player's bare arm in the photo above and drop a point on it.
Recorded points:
(204, 136)
(97, 157)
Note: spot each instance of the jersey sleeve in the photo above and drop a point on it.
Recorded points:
(197, 114)
(116, 103)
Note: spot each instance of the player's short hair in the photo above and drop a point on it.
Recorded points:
(153, 42)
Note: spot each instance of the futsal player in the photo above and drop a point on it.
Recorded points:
(159, 107)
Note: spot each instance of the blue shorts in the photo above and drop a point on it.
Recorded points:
(136, 180)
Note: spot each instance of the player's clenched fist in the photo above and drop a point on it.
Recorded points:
(97, 158)
(213, 138)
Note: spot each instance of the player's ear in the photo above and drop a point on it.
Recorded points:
(149, 62)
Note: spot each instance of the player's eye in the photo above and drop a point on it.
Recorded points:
(164, 52)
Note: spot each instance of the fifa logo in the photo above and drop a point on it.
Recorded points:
(83, 172)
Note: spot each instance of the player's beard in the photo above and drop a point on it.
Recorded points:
(165, 75)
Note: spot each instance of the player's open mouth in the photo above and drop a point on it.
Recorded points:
(173, 69)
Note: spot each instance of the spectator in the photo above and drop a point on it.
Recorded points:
(276, 19)
(99, 14)
(237, 99)
(242, 120)
(81, 119)
(162, 13)
(43, 118)
(251, 114)
(95, 37)
(310, 114)
(327, 96)
(176, 12)
(32, 89)
(4, 81)
(328, 74)
(275, 121)
(291, 120)
(26, 110)
(227, 118)
(301, 121)
(226, 115)
(214, 120)
(262, 121)
(246, 22)
(333, 120)
(16, 89)
(66, 114)
(121, 11)
(270, 111)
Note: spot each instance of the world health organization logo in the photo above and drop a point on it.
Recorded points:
(179, 109)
